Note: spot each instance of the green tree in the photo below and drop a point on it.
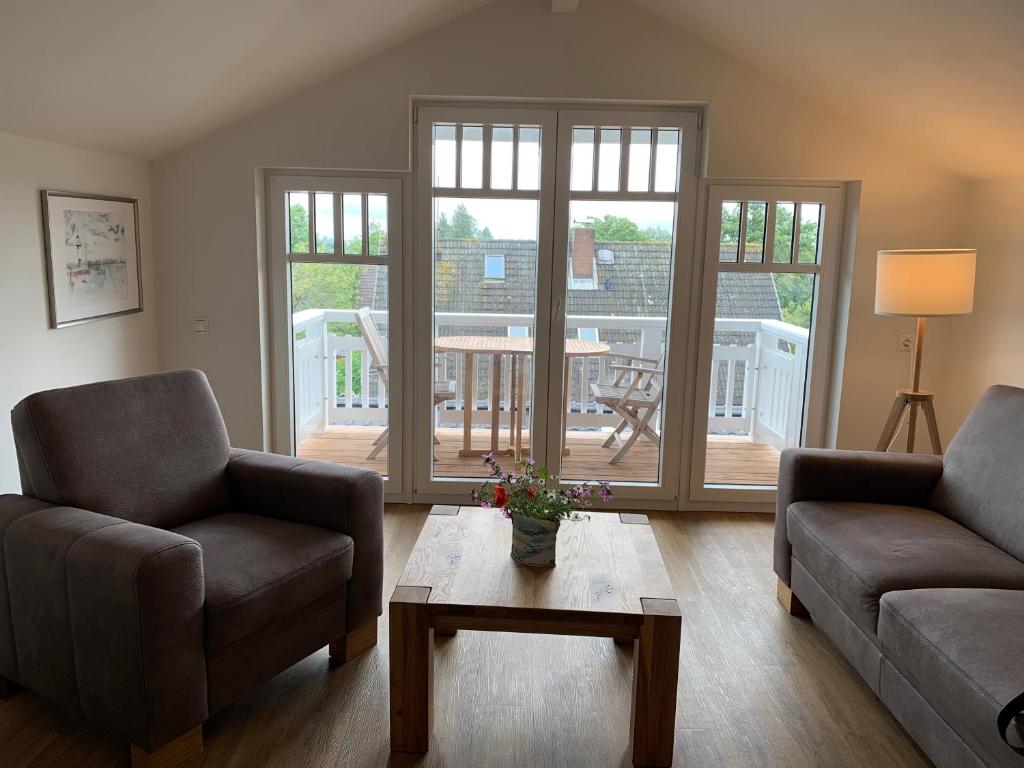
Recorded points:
(616, 229)
(795, 291)
(463, 226)
(378, 241)
(298, 227)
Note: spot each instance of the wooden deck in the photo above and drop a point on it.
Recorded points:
(731, 460)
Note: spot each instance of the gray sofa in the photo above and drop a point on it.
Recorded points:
(150, 575)
(912, 565)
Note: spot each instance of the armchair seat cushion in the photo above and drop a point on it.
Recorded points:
(858, 551)
(960, 648)
(259, 570)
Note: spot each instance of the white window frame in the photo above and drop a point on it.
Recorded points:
(487, 266)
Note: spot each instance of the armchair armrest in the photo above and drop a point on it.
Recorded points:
(107, 619)
(333, 496)
(812, 474)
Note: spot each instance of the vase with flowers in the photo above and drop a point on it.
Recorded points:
(537, 505)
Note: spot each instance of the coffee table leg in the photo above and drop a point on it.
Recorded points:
(655, 680)
(412, 670)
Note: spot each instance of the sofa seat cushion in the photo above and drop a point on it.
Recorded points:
(259, 570)
(857, 552)
(960, 648)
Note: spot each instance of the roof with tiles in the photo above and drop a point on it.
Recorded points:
(634, 282)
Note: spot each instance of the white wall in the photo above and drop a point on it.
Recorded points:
(205, 219)
(989, 344)
(32, 356)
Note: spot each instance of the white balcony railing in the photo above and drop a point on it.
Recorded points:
(757, 374)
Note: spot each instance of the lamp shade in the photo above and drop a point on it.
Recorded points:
(925, 282)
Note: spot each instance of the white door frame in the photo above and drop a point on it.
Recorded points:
(278, 183)
(425, 486)
(551, 286)
(688, 121)
(713, 192)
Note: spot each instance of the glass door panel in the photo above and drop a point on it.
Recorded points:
(623, 201)
(770, 253)
(485, 297)
(486, 251)
(334, 240)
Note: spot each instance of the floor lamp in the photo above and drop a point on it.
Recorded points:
(921, 283)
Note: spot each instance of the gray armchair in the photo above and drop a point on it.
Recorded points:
(151, 575)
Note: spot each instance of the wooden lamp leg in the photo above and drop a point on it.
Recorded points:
(186, 751)
(356, 642)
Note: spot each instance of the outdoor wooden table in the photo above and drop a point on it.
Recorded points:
(610, 581)
(515, 348)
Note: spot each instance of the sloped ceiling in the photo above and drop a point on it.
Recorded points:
(945, 75)
(140, 77)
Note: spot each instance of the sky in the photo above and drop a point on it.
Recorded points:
(517, 219)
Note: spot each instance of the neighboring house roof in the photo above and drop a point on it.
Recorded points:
(635, 284)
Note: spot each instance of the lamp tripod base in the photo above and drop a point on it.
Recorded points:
(912, 399)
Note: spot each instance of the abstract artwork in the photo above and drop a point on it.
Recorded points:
(92, 256)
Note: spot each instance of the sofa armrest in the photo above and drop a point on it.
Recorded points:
(814, 474)
(107, 617)
(333, 496)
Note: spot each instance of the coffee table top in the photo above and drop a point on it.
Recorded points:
(608, 564)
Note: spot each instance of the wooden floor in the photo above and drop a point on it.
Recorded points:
(730, 459)
(756, 687)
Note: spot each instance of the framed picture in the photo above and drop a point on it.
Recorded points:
(92, 256)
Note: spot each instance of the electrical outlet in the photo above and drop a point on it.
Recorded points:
(905, 343)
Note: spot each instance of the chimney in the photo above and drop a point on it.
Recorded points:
(582, 253)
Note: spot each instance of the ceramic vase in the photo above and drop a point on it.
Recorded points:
(533, 540)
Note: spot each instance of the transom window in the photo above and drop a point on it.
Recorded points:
(359, 222)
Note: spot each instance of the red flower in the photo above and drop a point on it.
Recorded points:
(500, 496)
(531, 492)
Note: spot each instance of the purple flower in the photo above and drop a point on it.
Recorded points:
(485, 504)
(488, 457)
(530, 461)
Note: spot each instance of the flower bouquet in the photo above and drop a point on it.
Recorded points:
(537, 505)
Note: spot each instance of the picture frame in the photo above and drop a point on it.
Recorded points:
(92, 253)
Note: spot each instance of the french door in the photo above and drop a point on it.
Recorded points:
(551, 294)
(771, 258)
(335, 262)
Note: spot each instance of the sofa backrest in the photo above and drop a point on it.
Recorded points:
(982, 482)
(152, 449)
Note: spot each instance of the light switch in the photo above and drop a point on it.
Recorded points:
(200, 325)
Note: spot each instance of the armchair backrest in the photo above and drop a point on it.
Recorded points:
(982, 482)
(152, 449)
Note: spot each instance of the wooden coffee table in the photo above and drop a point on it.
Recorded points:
(610, 581)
